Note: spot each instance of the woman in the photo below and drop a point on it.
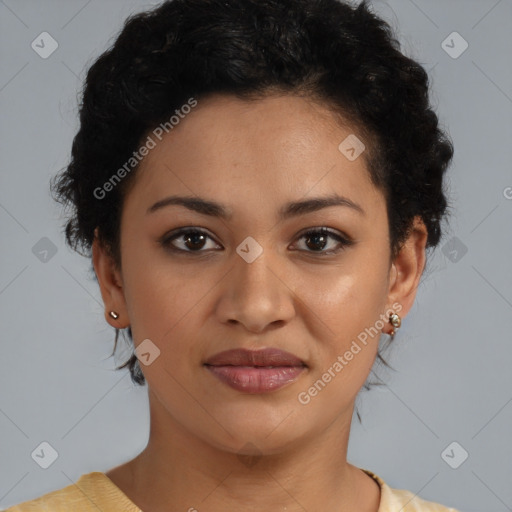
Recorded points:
(256, 183)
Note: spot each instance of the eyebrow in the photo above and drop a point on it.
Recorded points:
(289, 210)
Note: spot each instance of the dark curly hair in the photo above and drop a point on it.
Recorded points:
(344, 56)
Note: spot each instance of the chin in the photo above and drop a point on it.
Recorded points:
(257, 437)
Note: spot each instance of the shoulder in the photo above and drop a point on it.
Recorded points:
(58, 500)
(90, 493)
(401, 500)
(406, 501)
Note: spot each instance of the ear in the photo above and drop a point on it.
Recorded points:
(407, 268)
(111, 284)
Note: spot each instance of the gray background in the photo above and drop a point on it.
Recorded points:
(454, 351)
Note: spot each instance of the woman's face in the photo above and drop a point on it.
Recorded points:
(253, 279)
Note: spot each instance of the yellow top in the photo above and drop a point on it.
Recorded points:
(95, 491)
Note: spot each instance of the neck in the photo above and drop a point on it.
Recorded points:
(180, 471)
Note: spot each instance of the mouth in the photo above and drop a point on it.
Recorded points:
(260, 371)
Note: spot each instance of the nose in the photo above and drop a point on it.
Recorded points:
(257, 296)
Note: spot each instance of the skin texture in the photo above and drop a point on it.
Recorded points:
(212, 447)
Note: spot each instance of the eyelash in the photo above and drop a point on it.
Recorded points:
(344, 242)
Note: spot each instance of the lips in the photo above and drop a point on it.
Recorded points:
(264, 357)
(252, 371)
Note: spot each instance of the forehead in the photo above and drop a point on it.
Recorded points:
(278, 148)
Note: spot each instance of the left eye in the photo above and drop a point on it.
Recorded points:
(319, 237)
(194, 240)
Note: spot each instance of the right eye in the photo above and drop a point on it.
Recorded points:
(192, 239)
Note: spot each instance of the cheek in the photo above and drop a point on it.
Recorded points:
(162, 304)
(349, 305)
(346, 299)
(166, 303)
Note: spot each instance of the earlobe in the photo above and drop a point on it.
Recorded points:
(110, 283)
(408, 266)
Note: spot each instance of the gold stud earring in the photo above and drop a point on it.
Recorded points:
(395, 321)
(114, 315)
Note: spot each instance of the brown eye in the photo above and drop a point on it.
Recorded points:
(193, 240)
(190, 240)
(318, 239)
